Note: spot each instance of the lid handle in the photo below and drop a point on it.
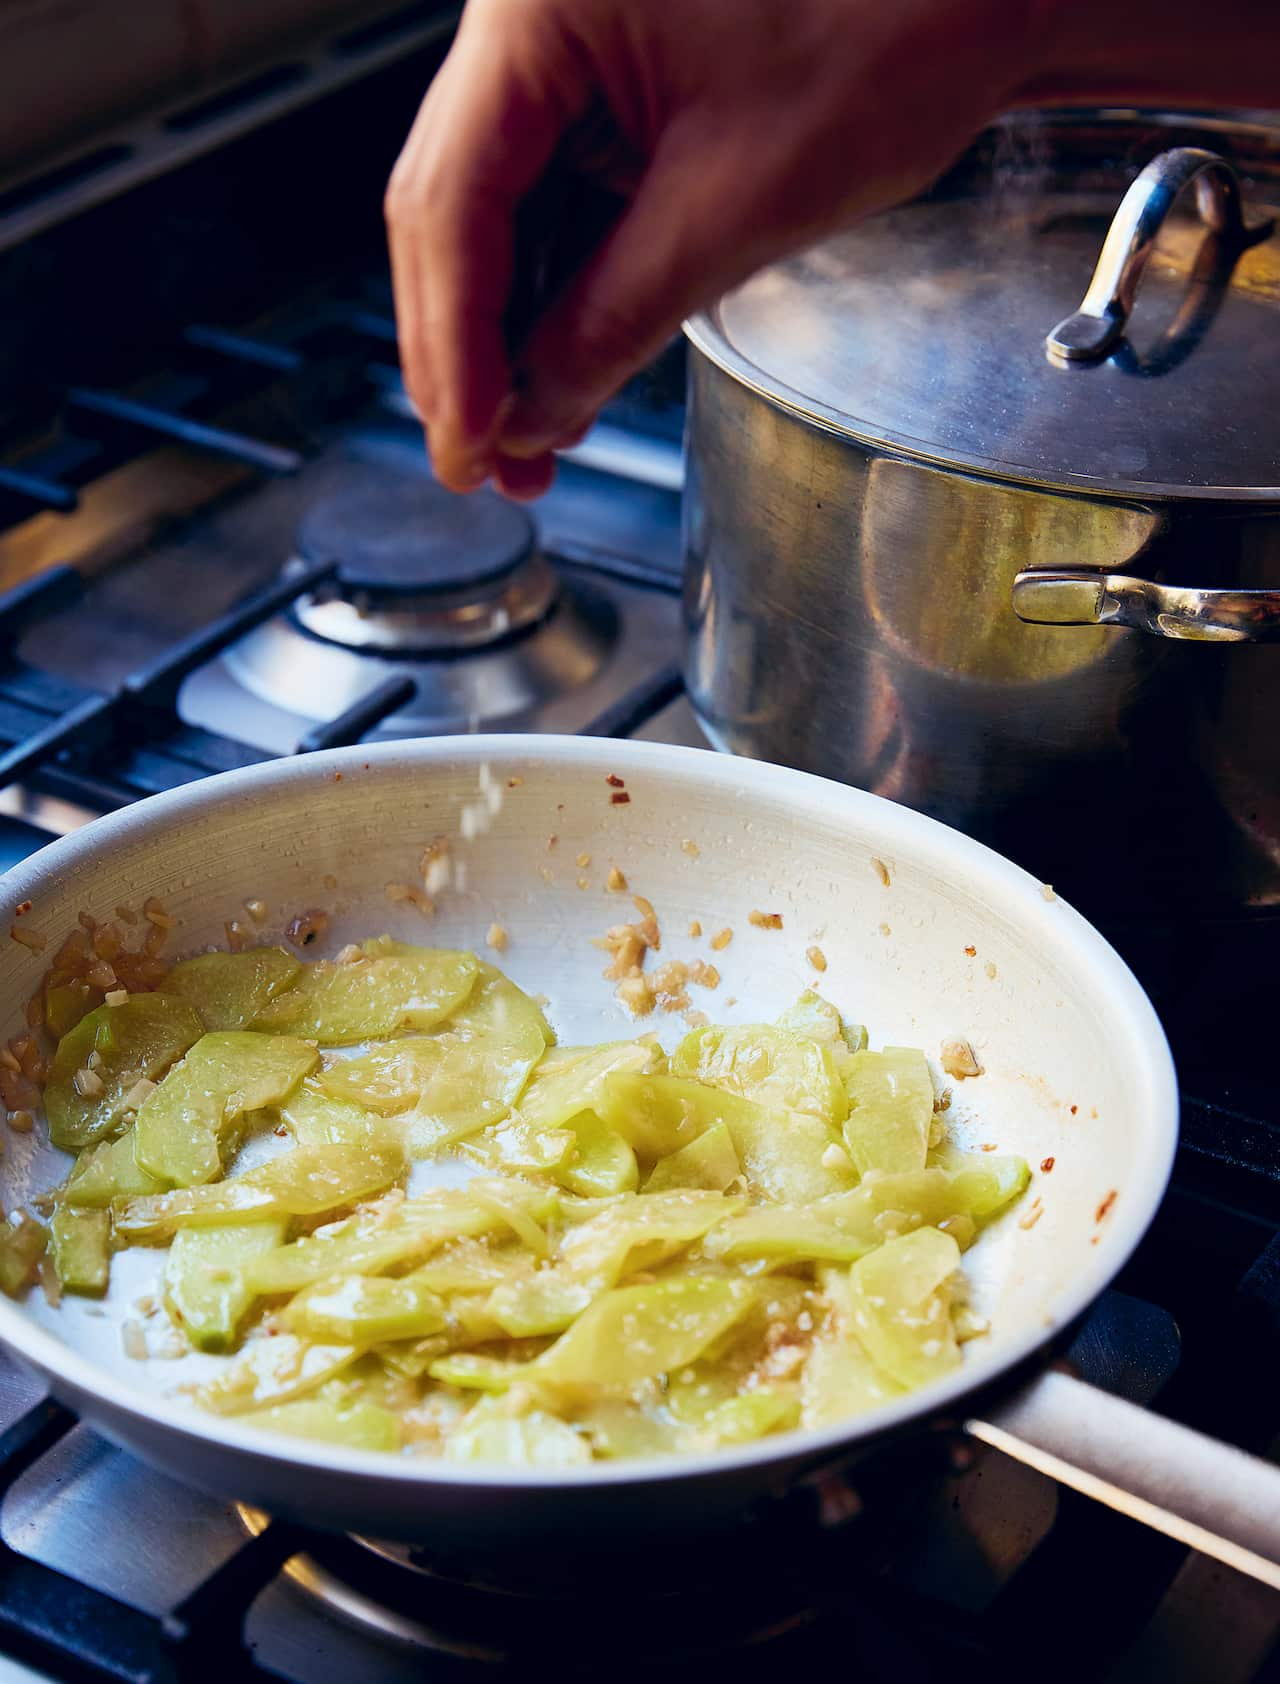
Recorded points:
(1100, 321)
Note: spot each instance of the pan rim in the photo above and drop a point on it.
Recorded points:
(1051, 924)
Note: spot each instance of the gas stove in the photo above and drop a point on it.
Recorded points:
(220, 542)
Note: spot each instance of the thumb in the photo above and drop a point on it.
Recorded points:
(681, 242)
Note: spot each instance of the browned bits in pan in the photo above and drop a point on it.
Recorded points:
(960, 1060)
(619, 798)
(765, 920)
(1046, 1165)
(22, 908)
(721, 940)
(614, 781)
(881, 870)
(1106, 1205)
(307, 927)
(816, 957)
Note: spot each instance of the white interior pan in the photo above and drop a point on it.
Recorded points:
(958, 943)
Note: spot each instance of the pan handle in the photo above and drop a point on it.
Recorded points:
(1210, 1496)
(1077, 597)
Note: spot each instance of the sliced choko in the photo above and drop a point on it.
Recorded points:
(455, 1082)
(359, 1425)
(771, 1066)
(141, 1037)
(900, 1296)
(186, 1126)
(229, 990)
(308, 1181)
(274, 1371)
(366, 1309)
(534, 1440)
(339, 1004)
(110, 1170)
(636, 1332)
(891, 1109)
(206, 1283)
(709, 1161)
(386, 1239)
(22, 1245)
(81, 1246)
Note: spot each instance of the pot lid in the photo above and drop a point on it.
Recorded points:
(928, 329)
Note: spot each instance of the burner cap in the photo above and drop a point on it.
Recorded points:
(395, 534)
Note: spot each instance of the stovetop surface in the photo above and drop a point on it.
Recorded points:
(166, 450)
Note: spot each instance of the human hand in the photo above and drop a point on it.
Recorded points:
(734, 131)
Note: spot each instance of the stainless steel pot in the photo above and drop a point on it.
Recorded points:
(1011, 574)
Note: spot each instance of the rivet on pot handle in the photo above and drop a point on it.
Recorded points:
(1077, 597)
(1100, 321)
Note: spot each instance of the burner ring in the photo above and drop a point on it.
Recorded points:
(395, 535)
(434, 622)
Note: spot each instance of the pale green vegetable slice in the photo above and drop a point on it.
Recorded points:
(601, 1162)
(756, 1414)
(315, 1118)
(891, 1109)
(710, 1161)
(983, 1183)
(787, 1154)
(846, 1226)
(771, 1066)
(190, 1121)
(365, 1310)
(66, 1003)
(447, 1086)
(620, 1429)
(570, 1080)
(467, 1266)
(541, 1303)
(22, 1245)
(273, 1371)
(633, 1233)
(475, 1372)
(110, 1170)
(359, 1425)
(307, 1181)
(784, 1154)
(230, 990)
(642, 1232)
(635, 1333)
(900, 1300)
(658, 1114)
(391, 1240)
(790, 1234)
(339, 1004)
(141, 1037)
(818, 1019)
(517, 1146)
(839, 1378)
(535, 1440)
(80, 1241)
(206, 1285)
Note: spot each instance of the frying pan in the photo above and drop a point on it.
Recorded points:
(958, 943)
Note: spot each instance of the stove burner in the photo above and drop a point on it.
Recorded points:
(421, 571)
(396, 535)
(384, 1589)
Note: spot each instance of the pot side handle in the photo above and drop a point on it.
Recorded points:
(1077, 597)
(1091, 331)
(1210, 1496)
